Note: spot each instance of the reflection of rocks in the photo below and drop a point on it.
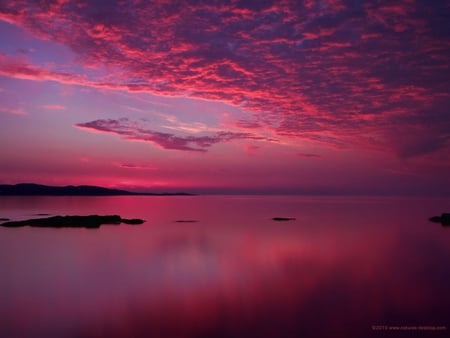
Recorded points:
(92, 221)
(283, 219)
(444, 219)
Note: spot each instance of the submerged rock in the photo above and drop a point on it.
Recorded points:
(283, 219)
(91, 221)
(444, 219)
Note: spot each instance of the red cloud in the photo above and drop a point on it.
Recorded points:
(54, 107)
(309, 155)
(329, 71)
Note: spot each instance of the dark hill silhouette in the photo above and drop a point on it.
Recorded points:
(31, 189)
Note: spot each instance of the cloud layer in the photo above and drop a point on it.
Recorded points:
(131, 130)
(373, 74)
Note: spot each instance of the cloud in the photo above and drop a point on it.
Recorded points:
(21, 69)
(308, 155)
(131, 130)
(136, 166)
(15, 111)
(54, 107)
(417, 141)
(329, 71)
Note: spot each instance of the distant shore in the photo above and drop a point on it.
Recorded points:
(32, 189)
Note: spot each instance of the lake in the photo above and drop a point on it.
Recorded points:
(345, 267)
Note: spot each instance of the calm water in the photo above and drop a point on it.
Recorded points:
(346, 267)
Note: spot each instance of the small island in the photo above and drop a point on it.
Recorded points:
(90, 222)
(444, 219)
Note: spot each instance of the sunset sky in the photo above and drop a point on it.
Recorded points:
(314, 96)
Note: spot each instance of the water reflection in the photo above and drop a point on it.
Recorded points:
(230, 278)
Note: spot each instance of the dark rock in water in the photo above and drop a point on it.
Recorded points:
(186, 221)
(4, 219)
(91, 221)
(444, 219)
(132, 221)
(283, 219)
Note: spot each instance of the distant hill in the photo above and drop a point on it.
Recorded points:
(31, 189)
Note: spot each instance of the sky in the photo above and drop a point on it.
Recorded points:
(301, 97)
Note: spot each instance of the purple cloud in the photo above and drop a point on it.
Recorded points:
(130, 130)
(136, 166)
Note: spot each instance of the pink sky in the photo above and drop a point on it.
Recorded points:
(270, 97)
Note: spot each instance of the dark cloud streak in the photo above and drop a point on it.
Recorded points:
(133, 131)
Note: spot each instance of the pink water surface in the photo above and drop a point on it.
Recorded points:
(345, 266)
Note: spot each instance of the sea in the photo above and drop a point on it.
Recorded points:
(220, 266)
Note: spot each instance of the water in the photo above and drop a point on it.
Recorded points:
(346, 267)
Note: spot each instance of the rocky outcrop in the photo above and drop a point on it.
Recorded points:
(91, 221)
(444, 219)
